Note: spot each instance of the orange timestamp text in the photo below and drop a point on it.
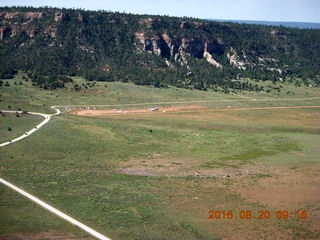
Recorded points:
(260, 214)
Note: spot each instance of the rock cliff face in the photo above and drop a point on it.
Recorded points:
(28, 16)
(4, 32)
(209, 57)
(175, 48)
(60, 16)
(234, 59)
(14, 23)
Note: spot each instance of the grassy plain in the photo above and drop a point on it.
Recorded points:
(157, 176)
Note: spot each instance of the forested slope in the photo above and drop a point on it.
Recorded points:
(49, 44)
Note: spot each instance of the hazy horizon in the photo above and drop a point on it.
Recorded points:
(305, 11)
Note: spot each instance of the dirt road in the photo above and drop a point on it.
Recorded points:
(47, 118)
(180, 109)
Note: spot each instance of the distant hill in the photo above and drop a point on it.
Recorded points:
(50, 44)
(301, 25)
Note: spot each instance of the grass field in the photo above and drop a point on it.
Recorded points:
(157, 176)
(14, 125)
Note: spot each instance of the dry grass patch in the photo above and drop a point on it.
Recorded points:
(50, 235)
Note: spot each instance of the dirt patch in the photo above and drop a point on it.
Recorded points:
(284, 188)
(50, 235)
(189, 167)
(292, 190)
(287, 188)
(153, 110)
(92, 111)
(301, 117)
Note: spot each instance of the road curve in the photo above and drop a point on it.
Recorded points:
(47, 118)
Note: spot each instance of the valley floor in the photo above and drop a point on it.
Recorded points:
(220, 167)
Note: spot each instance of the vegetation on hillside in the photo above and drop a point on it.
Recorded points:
(49, 44)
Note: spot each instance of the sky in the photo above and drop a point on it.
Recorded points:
(263, 10)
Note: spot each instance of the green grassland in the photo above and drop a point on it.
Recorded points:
(13, 207)
(25, 96)
(80, 164)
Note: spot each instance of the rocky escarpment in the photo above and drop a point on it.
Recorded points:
(179, 48)
(13, 23)
(27, 16)
(213, 48)
(16, 22)
(4, 32)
